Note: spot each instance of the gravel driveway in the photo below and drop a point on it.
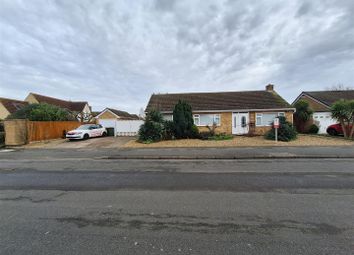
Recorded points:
(99, 142)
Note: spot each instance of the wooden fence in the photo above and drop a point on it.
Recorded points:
(19, 132)
(46, 130)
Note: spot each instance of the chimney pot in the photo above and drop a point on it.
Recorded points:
(270, 87)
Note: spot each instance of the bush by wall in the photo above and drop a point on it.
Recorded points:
(286, 131)
(168, 130)
(2, 138)
(183, 120)
(42, 112)
(313, 129)
(153, 128)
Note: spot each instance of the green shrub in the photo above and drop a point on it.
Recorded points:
(286, 131)
(194, 132)
(183, 120)
(221, 137)
(2, 138)
(153, 128)
(313, 129)
(168, 130)
(42, 112)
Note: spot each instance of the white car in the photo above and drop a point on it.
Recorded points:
(86, 131)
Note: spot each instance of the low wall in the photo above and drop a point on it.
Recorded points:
(15, 132)
(20, 132)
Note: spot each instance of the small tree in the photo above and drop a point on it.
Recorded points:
(153, 128)
(286, 131)
(41, 112)
(343, 111)
(303, 114)
(183, 120)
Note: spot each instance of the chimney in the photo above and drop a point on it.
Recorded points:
(270, 88)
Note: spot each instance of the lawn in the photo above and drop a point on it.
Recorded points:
(243, 141)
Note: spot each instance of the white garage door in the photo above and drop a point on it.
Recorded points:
(128, 127)
(122, 127)
(107, 123)
(323, 120)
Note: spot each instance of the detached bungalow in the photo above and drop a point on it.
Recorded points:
(9, 106)
(82, 109)
(120, 122)
(320, 102)
(238, 113)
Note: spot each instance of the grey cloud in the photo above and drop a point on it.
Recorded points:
(116, 53)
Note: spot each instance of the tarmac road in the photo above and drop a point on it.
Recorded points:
(283, 206)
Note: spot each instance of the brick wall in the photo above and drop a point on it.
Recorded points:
(15, 132)
(315, 106)
(107, 115)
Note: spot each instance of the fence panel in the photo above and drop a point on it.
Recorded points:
(45, 130)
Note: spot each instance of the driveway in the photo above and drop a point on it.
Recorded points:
(96, 143)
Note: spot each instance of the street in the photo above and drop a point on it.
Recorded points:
(75, 205)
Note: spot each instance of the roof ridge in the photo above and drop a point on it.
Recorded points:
(319, 91)
(63, 100)
(211, 92)
(17, 100)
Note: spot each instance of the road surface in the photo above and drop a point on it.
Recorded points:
(301, 206)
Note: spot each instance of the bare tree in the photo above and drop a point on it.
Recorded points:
(340, 86)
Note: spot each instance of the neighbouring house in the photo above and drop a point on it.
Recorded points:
(9, 106)
(238, 113)
(81, 110)
(120, 122)
(320, 102)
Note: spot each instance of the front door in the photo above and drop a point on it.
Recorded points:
(240, 123)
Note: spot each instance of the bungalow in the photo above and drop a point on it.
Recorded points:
(320, 102)
(238, 113)
(9, 106)
(82, 110)
(120, 122)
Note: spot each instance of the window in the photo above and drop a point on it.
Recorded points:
(206, 119)
(266, 119)
(168, 117)
(196, 119)
(243, 121)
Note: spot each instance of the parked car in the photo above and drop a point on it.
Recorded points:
(335, 129)
(86, 131)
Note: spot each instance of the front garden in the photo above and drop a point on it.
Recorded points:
(156, 130)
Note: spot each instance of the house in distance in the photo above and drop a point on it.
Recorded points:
(237, 113)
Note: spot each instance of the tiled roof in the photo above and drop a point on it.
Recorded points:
(329, 97)
(124, 115)
(12, 105)
(70, 105)
(219, 101)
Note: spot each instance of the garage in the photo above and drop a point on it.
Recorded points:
(119, 123)
(323, 120)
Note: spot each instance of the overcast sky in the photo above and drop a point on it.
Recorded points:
(117, 53)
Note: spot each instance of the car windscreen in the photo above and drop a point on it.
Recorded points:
(84, 127)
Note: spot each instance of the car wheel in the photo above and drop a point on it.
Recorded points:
(104, 134)
(86, 136)
(332, 132)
